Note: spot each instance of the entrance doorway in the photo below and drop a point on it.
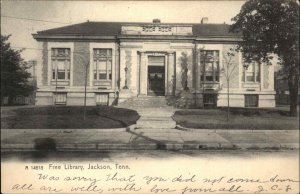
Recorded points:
(156, 76)
(210, 100)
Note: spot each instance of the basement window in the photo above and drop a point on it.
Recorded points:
(102, 99)
(60, 98)
(251, 100)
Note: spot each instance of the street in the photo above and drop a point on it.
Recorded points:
(111, 156)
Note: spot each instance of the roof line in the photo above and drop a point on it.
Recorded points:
(62, 27)
(151, 23)
(128, 23)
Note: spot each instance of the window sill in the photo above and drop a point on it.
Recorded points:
(251, 84)
(211, 85)
(60, 82)
(102, 82)
(210, 82)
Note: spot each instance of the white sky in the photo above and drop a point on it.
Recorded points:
(124, 11)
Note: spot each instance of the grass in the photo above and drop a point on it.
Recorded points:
(100, 117)
(240, 118)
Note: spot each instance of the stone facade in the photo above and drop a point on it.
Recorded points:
(44, 64)
(81, 59)
(187, 66)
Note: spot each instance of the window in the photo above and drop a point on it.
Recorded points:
(60, 58)
(251, 100)
(60, 98)
(102, 64)
(101, 98)
(210, 100)
(251, 72)
(209, 61)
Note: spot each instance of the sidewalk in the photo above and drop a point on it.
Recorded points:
(145, 139)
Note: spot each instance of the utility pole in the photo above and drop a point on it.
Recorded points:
(203, 74)
(197, 77)
(55, 85)
(227, 78)
(34, 79)
(85, 83)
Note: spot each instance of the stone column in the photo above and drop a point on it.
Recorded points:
(143, 75)
(122, 67)
(170, 74)
(128, 69)
(178, 74)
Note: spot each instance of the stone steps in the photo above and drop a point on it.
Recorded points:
(150, 124)
(154, 112)
(143, 102)
(149, 118)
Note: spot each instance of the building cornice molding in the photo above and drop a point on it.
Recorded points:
(219, 38)
(130, 46)
(41, 37)
(155, 37)
(72, 37)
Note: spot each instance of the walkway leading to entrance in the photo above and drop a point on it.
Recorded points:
(154, 112)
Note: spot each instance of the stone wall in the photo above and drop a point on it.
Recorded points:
(77, 99)
(81, 58)
(265, 69)
(45, 64)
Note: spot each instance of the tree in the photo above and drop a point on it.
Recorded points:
(184, 74)
(227, 70)
(14, 77)
(272, 27)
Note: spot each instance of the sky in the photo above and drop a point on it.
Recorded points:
(61, 13)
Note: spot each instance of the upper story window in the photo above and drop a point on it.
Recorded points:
(60, 59)
(102, 64)
(251, 72)
(210, 67)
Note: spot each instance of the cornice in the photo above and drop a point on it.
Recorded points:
(40, 37)
(73, 37)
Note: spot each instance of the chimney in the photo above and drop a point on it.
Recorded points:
(156, 21)
(204, 20)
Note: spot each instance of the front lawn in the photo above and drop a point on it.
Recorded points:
(100, 117)
(240, 118)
